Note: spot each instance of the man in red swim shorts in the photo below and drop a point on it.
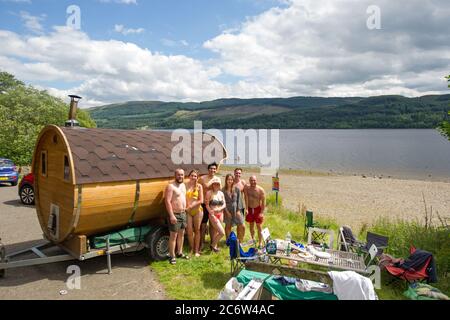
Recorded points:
(255, 202)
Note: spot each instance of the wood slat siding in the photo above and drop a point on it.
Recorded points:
(108, 206)
(104, 206)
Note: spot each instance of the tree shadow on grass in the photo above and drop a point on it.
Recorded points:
(215, 279)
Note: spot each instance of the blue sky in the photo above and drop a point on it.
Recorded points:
(194, 50)
(171, 26)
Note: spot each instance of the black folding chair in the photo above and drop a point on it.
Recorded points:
(380, 241)
(348, 242)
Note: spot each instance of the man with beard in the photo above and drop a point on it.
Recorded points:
(175, 200)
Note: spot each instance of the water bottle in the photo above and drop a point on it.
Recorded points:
(288, 243)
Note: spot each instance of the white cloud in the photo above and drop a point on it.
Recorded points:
(33, 23)
(306, 48)
(108, 71)
(324, 47)
(126, 31)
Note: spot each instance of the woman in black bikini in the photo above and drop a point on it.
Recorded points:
(215, 204)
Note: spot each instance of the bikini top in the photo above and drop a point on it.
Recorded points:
(215, 202)
(192, 194)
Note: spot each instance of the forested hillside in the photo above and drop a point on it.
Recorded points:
(289, 113)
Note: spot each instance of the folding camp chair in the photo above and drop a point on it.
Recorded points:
(411, 275)
(317, 237)
(381, 242)
(348, 242)
(238, 257)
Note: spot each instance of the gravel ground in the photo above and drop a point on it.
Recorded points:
(132, 278)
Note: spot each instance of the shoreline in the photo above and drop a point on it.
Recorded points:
(318, 173)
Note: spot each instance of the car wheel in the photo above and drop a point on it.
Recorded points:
(14, 184)
(158, 243)
(27, 195)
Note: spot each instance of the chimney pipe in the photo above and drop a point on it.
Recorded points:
(72, 122)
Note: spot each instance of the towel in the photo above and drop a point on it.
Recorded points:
(349, 285)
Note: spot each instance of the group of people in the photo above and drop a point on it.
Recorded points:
(202, 201)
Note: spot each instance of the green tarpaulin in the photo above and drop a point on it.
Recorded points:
(288, 292)
(129, 235)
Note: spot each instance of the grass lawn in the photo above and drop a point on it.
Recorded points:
(202, 278)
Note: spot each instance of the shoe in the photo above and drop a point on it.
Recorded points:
(182, 256)
(197, 255)
(172, 261)
(214, 249)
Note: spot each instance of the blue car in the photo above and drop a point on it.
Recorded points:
(8, 172)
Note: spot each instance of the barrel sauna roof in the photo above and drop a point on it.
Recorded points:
(109, 155)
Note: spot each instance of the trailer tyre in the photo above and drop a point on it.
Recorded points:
(158, 243)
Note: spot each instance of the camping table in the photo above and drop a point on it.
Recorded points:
(340, 260)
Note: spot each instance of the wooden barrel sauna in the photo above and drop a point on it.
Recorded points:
(92, 181)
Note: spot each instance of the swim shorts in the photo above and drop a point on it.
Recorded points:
(255, 215)
(181, 222)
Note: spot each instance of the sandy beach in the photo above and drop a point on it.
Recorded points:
(355, 200)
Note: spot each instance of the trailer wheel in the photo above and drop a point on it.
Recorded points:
(158, 243)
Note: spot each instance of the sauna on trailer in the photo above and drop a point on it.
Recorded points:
(101, 191)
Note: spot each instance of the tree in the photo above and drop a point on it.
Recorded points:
(24, 111)
(445, 126)
(8, 81)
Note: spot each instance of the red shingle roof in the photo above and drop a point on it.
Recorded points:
(107, 155)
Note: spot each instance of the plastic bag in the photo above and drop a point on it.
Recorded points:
(231, 290)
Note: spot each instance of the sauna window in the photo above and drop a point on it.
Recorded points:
(44, 163)
(66, 169)
(55, 139)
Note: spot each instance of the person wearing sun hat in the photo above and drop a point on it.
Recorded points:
(215, 204)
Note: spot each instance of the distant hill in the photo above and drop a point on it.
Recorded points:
(283, 113)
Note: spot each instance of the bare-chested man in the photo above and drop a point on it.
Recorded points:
(255, 200)
(175, 199)
(241, 184)
(204, 180)
(238, 181)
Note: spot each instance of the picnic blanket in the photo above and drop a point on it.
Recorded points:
(283, 292)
